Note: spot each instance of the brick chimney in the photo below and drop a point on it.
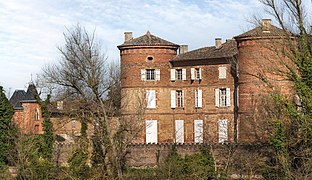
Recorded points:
(266, 25)
(128, 36)
(183, 49)
(218, 42)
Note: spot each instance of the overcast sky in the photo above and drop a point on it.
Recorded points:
(30, 30)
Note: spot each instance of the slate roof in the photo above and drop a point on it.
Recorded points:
(20, 96)
(148, 40)
(16, 98)
(227, 49)
(262, 31)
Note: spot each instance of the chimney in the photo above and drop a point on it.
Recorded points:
(266, 25)
(128, 36)
(183, 49)
(218, 42)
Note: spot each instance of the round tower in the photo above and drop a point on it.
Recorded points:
(145, 71)
(259, 60)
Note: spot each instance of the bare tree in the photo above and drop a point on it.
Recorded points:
(86, 76)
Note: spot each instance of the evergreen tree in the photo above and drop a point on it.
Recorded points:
(48, 137)
(6, 114)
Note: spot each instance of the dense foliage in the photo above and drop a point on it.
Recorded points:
(6, 128)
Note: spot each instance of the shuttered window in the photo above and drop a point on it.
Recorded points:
(223, 97)
(179, 131)
(198, 98)
(150, 98)
(151, 131)
(177, 98)
(222, 72)
(198, 131)
(223, 131)
(150, 74)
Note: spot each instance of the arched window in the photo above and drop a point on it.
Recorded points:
(36, 114)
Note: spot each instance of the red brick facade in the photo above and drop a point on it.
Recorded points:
(243, 58)
(28, 113)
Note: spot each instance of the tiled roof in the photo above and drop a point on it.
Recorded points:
(262, 31)
(148, 40)
(20, 96)
(227, 49)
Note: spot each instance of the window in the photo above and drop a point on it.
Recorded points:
(59, 105)
(150, 58)
(179, 131)
(150, 74)
(151, 131)
(223, 131)
(180, 102)
(177, 98)
(73, 124)
(36, 115)
(150, 98)
(198, 98)
(222, 72)
(195, 73)
(198, 131)
(222, 97)
(36, 129)
(177, 74)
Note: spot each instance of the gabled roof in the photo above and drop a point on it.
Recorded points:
(20, 96)
(227, 49)
(148, 40)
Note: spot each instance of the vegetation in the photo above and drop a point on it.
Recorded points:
(291, 139)
(7, 130)
(196, 166)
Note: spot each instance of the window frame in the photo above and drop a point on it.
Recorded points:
(150, 75)
(180, 99)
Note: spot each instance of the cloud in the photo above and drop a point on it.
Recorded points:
(30, 30)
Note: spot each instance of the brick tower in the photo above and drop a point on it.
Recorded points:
(145, 71)
(260, 60)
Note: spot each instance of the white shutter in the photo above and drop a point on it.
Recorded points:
(151, 98)
(217, 97)
(183, 74)
(182, 98)
(198, 131)
(223, 131)
(200, 74)
(228, 97)
(192, 73)
(151, 131)
(173, 99)
(200, 98)
(157, 74)
(172, 74)
(222, 72)
(143, 74)
(179, 131)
